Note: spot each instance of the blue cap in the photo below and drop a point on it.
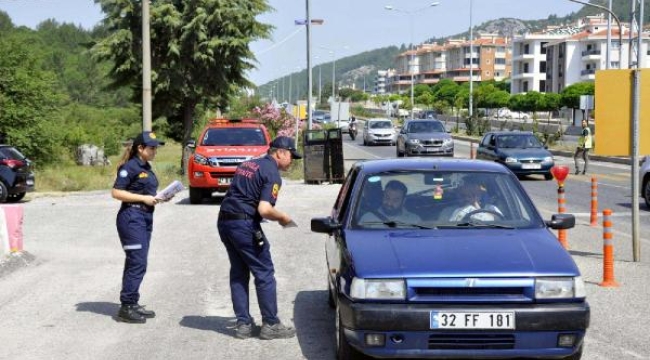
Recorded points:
(285, 142)
(147, 138)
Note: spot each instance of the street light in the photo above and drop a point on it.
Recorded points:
(308, 21)
(333, 53)
(412, 62)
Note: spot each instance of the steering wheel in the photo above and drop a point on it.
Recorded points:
(496, 214)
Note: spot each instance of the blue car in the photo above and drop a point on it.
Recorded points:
(520, 151)
(448, 258)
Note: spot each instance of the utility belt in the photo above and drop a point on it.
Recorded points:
(139, 206)
(225, 216)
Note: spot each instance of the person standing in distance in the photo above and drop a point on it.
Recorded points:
(584, 145)
(135, 186)
(251, 197)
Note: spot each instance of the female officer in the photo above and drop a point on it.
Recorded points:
(135, 186)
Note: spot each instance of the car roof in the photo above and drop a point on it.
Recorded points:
(510, 132)
(379, 119)
(415, 164)
(423, 120)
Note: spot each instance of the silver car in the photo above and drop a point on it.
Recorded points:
(419, 137)
(644, 178)
(379, 131)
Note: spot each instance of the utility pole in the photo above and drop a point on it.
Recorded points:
(146, 68)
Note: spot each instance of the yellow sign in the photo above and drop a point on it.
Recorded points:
(613, 121)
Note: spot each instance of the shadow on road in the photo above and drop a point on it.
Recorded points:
(314, 322)
(220, 324)
(99, 307)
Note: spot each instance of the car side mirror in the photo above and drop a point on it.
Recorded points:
(191, 144)
(324, 225)
(561, 221)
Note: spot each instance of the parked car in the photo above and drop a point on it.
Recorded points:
(433, 287)
(16, 175)
(379, 131)
(644, 175)
(519, 151)
(424, 137)
(428, 114)
(222, 146)
(318, 115)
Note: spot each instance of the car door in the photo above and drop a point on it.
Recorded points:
(335, 247)
(366, 127)
(487, 148)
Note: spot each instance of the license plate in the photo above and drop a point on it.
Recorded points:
(472, 320)
(225, 181)
(531, 166)
(30, 182)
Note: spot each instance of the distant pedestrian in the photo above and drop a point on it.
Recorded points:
(135, 186)
(585, 143)
(250, 199)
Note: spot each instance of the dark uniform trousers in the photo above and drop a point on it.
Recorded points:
(249, 253)
(134, 226)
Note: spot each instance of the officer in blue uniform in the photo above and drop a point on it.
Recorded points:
(251, 198)
(136, 186)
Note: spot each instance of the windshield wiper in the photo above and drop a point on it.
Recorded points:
(482, 225)
(394, 224)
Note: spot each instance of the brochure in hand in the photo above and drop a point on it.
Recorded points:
(172, 189)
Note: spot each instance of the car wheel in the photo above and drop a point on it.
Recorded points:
(3, 192)
(365, 143)
(398, 153)
(646, 191)
(330, 296)
(548, 176)
(15, 197)
(344, 351)
(196, 195)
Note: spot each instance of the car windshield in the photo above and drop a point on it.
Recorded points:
(425, 127)
(234, 137)
(518, 141)
(443, 200)
(8, 152)
(381, 125)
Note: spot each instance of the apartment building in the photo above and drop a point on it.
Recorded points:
(529, 64)
(381, 81)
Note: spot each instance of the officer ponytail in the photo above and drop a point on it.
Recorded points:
(130, 151)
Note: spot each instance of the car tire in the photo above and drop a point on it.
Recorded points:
(576, 356)
(196, 195)
(646, 191)
(365, 143)
(4, 193)
(398, 153)
(344, 351)
(13, 198)
(548, 176)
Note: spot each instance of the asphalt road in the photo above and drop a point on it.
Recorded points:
(61, 306)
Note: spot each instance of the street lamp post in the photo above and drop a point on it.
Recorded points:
(471, 61)
(411, 64)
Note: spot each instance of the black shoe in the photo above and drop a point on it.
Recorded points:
(577, 172)
(130, 314)
(276, 331)
(243, 330)
(149, 314)
(584, 173)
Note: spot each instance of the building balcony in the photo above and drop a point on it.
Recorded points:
(520, 76)
(588, 74)
(523, 57)
(593, 54)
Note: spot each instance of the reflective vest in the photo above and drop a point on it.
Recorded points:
(585, 140)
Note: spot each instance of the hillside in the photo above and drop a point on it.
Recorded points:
(356, 69)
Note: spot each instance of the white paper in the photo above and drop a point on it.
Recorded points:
(290, 224)
(172, 189)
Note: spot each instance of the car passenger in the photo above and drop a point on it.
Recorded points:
(392, 206)
(470, 196)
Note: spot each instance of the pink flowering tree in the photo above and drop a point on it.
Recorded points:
(278, 121)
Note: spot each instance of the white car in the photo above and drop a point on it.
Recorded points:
(379, 131)
(644, 179)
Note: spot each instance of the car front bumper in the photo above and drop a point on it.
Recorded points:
(419, 150)
(520, 168)
(407, 330)
(215, 179)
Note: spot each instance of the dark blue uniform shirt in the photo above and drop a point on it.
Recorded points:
(137, 177)
(254, 181)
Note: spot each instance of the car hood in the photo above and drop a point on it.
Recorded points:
(381, 131)
(232, 150)
(429, 136)
(526, 153)
(458, 253)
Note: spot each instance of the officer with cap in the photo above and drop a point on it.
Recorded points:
(136, 186)
(251, 198)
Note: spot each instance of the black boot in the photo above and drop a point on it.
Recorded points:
(130, 314)
(149, 314)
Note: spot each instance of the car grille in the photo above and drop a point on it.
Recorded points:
(471, 290)
(530, 161)
(471, 341)
(227, 161)
(445, 293)
(384, 136)
(432, 142)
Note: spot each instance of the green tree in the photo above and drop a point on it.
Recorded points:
(571, 94)
(200, 53)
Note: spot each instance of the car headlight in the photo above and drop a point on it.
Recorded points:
(511, 160)
(548, 159)
(560, 288)
(413, 141)
(447, 142)
(377, 289)
(200, 159)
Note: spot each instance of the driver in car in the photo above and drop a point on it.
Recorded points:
(470, 195)
(392, 206)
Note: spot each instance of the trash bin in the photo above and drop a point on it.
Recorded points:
(335, 150)
(315, 157)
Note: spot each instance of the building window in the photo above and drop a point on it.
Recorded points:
(526, 68)
(526, 49)
(542, 86)
(543, 47)
(542, 66)
(500, 61)
(524, 87)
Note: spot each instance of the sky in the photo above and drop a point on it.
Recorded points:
(349, 26)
